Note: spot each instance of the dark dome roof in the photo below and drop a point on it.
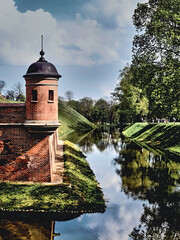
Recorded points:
(42, 68)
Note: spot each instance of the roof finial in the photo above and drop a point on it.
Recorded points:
(41, 42)
(42, 52)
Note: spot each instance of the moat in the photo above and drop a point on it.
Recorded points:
(141, 190)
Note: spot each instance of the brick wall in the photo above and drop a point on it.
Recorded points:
(25, 156)
(52, 150)
(42, 109)
(12, 113)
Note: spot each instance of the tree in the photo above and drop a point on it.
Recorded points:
(156, 66)
(112, 108)
(69, 95)
(73, 104)
(18, 92)
(10, 95)
(85, 107)
(2, 85)
(158, 21)
(101, 111)
(132, 104)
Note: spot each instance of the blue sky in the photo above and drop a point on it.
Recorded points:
(88, 41)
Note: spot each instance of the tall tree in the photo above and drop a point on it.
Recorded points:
(156, 65)
(132, 104)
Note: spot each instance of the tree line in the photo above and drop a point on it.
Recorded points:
(97, 111)
(149, 87)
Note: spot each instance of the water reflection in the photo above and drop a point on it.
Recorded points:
(102, 138)
(29, 230)
(154, 178)
(30, 225)
(145, 176)
(142, 188)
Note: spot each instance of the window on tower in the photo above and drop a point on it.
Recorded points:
(34, 95)
(51, 95)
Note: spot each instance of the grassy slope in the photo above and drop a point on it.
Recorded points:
(165, 136)
(4, 100)
(72, 121)
(79, 192)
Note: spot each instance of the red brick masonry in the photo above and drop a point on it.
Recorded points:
(12, 113)
(24, 156)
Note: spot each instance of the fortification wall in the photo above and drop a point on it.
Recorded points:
(12, 112)
(26, 156)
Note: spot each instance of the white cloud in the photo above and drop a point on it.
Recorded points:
(20, 34)
(117, 13)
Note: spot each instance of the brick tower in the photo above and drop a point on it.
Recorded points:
(42, 96)
(29, 146)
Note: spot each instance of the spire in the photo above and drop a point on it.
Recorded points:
(42, 52)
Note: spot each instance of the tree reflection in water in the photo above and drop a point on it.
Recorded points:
(102, 137)
(29, 230)
(146, 176)
(30, 225)
(154, 178)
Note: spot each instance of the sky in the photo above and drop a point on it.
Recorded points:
(88, 41)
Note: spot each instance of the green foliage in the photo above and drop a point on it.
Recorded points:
(155, 66)
(158, 21)
(132, 104)
(85, 107)
(101, 111)
(151, 86)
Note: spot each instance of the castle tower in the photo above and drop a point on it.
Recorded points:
(42, 96)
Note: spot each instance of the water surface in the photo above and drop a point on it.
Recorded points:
(141, 189)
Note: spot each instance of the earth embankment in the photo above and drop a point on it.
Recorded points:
(162, 136)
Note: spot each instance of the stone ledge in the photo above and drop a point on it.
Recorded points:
(12, 105)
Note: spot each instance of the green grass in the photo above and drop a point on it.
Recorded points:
(79, 192)
(163, 136)
(134, 129)
(4, 100)
(82, 179)
(72, 121)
